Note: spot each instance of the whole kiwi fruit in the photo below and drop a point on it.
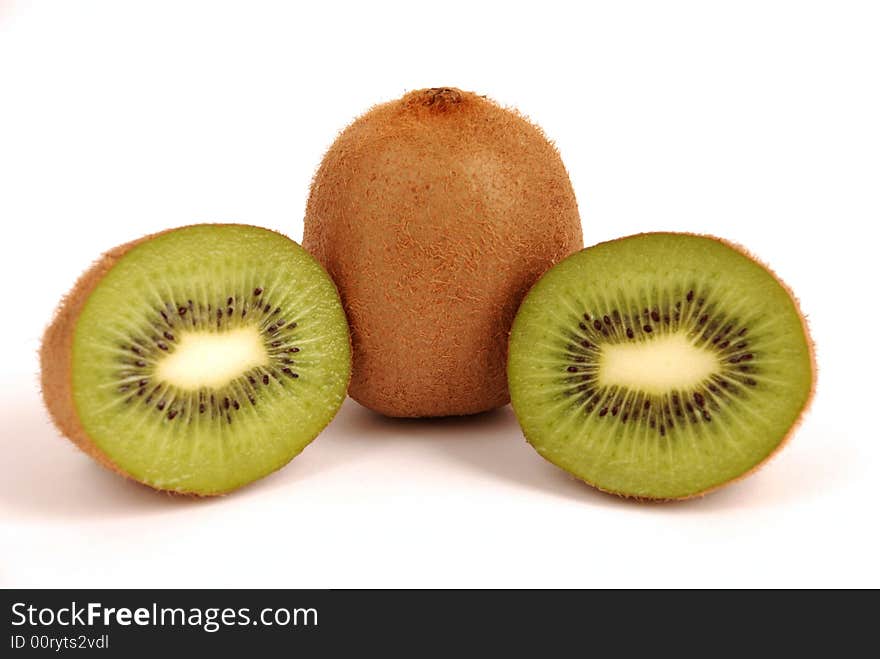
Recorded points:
(435, 214)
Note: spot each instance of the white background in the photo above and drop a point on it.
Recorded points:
(756, 121)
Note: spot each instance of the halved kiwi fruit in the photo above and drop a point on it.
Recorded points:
(199, 359)
(659, 366)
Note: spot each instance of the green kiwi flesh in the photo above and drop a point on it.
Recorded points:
(659, 366)
(208, 357)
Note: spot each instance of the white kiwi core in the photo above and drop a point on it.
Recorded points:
(212, 359)
(656, 366)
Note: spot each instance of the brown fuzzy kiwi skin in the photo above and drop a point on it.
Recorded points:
(56, 361)
(794, 426)
(434, 214)
(56, 356)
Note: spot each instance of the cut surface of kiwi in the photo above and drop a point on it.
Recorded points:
(199, 359)
(659, 366)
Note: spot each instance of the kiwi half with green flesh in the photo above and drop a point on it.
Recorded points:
(659, 366)
(199, 359)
